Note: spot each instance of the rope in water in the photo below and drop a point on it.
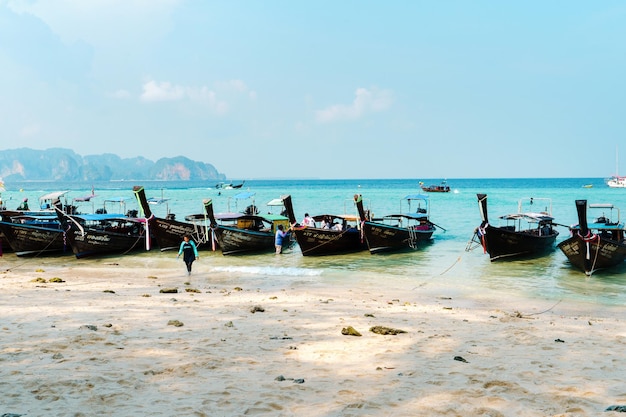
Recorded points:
(458, 259)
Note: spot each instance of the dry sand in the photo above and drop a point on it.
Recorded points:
(103, 342)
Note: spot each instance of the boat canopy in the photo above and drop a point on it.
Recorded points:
(602, 205)
(226, 216)
(155, 200)
(275, 202)
(53, 196)
(531, 217)
(85, 198)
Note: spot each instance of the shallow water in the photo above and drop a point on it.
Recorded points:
(444, 261)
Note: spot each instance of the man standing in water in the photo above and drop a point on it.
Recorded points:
(280, 236)
(189, 251)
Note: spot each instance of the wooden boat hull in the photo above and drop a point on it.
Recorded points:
(235, 241)
(590, 255)
(169, 233)
(315, 242)
(385, 238)
(27, 240)
(501, 242)
(4, 244)
(96, 242)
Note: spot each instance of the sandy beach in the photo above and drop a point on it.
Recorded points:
(113, 339)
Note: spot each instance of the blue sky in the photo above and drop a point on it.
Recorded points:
(324, 89)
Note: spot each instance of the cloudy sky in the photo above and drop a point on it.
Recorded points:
(324, 89)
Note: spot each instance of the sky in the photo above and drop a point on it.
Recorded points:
(323, 89)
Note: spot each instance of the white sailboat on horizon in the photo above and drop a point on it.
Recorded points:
(616, 181)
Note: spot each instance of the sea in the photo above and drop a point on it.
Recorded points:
(444, 261)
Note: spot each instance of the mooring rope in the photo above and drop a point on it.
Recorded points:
(141, 234)
(426, 281)
(589, 239)
(412, 238)
(544, 311)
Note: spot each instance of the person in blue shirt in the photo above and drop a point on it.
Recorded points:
(189, 251)
(280, 236)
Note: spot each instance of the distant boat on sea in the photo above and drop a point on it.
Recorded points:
(588, 186)
(229, 186)
(616, 181)
(442, 188)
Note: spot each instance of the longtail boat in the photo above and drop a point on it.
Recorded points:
(523, 234)
(596, 245)
(397, 231)
(338, 233)
(248, 231)
(168, 232)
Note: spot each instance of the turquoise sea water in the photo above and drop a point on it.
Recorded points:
(444, 261)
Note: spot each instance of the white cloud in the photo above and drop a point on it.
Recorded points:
(164, 91)
(154, 91)
(365, 102)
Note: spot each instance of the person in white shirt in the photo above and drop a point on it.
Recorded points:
(308, 220)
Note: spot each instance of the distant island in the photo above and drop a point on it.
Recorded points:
(59, 164)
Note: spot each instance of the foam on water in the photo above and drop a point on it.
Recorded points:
(269, 271)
